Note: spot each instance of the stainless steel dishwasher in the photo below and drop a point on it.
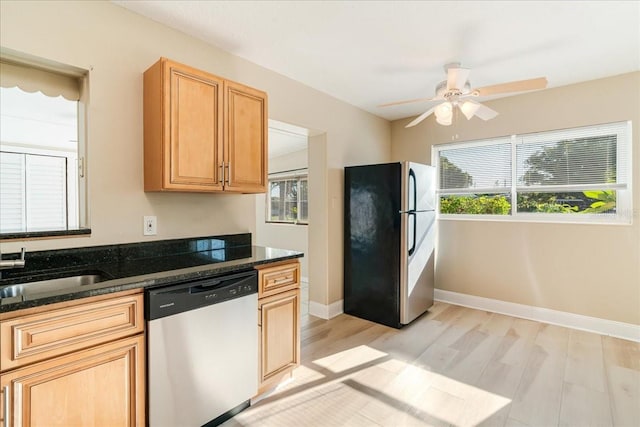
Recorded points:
(202, 361)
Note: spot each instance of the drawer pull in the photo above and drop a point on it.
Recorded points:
(5, 390)
(283, 280)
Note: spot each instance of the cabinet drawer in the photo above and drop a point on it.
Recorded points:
(279, 278)
(36, 337)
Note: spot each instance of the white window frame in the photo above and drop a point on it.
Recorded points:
(53, 79)
(624, 202)
(283, 177)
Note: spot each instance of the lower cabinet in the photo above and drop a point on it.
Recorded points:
(100, 383)
(99, 387)
(279, 337)
(279, 324)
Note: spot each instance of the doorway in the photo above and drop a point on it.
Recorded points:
(282, 213)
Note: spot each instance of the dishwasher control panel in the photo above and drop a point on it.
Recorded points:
(173, 299)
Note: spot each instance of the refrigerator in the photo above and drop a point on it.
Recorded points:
(389, 241)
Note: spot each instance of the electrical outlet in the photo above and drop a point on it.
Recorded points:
(150, 226)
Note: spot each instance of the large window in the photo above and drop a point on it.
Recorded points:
(288, 199)
(576, 175)
(41, 160)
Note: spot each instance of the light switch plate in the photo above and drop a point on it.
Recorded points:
(150, 226)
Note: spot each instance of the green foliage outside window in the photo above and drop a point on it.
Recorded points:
(591, 202)
(474, 205)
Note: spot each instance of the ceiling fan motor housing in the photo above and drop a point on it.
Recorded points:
(452, 94)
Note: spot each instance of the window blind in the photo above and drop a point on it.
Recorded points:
(582, 158)
(33, 192)
(12, 189)
(482, 168)
(46, 178)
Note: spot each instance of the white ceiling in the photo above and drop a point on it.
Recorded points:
(371, 52)
(283, 142)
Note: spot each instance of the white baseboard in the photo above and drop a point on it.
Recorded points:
(326, 311)
(613, 328)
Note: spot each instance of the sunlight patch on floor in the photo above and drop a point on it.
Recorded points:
(349, 359)
(362, 384)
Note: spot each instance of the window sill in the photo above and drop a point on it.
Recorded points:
(23, 235)
(286, 223)
(529, 219)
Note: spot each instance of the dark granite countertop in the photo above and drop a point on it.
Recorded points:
(138, 265)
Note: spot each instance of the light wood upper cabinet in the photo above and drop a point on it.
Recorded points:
(195, 142)
(202, 133)
(245, 130)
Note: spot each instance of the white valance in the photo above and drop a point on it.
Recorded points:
(31, 80)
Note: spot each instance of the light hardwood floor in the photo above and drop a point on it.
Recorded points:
(454, 366)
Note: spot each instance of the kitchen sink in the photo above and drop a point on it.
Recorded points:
(52, 285)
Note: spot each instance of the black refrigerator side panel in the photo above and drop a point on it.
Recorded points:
(372, 243)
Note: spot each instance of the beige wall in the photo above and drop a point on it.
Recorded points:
(289, 236)
(117, 46)
(593, 270)
(296, 160)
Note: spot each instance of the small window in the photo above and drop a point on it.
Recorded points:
(288, 200)
(575, 175)
(41, 159)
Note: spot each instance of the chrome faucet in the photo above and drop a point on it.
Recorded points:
(6, 264)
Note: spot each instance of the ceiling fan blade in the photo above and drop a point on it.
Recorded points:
(485, 113)
(408, 101)
(457, 77)
(421, 117)
(517, 86)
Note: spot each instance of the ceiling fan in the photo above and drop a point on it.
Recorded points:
(456, 91)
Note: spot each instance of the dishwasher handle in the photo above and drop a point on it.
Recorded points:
(221, 283)
(178, 298)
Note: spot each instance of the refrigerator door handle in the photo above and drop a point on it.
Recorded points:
(412, 177)
(414, 217)
(412, 211)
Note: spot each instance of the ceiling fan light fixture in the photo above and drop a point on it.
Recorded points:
(444, 121)
(444, 111)
(469, 109)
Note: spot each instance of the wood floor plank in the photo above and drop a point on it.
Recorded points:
(582, 406)
(515, 423)
(538, 398)
(623, 353)
(408, 343)
(624, 392)
(585, 361)
(521, 336)
(622, 368)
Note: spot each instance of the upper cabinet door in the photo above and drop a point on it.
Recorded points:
(195, 129)
(245, 128)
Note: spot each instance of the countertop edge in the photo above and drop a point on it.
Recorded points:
(142, 282)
